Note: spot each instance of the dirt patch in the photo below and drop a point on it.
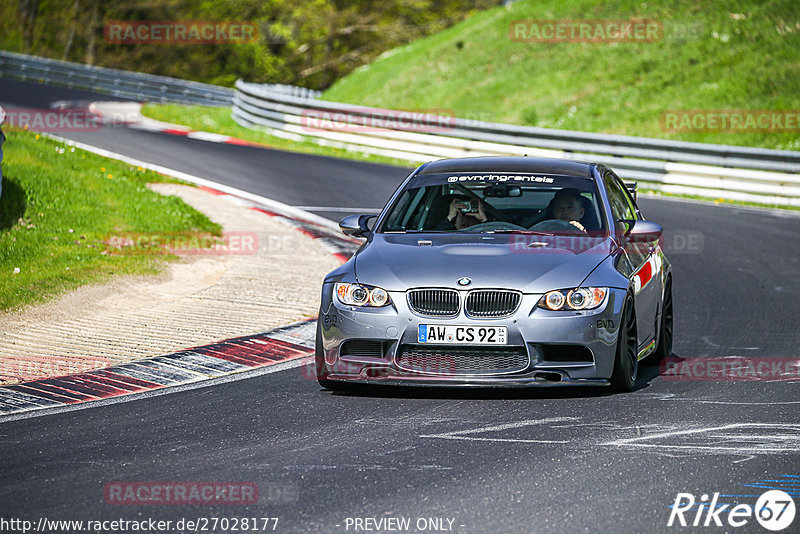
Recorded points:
(196, 301)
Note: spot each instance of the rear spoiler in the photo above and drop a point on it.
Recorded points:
(632, 187)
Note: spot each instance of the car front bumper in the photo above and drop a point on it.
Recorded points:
(533, 331)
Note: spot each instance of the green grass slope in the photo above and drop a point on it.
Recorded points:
(714, 55)
(60, 207)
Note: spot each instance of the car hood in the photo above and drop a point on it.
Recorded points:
(530, 263)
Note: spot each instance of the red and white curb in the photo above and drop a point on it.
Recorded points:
(130, 114)
(196, 134)
(340, 246)
(187, 366)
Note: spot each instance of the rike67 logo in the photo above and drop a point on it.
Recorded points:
(774, 510)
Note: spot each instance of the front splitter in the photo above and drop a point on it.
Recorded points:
(467, 382)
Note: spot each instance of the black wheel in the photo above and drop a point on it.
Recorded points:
(626, 362)
(321, 369)
(664, 348)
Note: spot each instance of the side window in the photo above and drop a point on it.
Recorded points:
(621, 206)
(405, 207)
(628, 198)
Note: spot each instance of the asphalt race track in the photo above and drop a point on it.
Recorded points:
(499, 461)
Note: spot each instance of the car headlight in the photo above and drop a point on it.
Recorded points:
(361, 295)
(581, 298)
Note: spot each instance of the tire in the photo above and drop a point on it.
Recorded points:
(664, 348)
(626, 362)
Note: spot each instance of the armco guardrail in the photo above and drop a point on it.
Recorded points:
(120, 83)
(718, 171)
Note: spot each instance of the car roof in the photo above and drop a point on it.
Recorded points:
(509, 164)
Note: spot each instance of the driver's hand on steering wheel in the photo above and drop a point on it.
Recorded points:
(578, 225)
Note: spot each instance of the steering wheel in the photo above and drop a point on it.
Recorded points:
(556, 224)
(494, 225)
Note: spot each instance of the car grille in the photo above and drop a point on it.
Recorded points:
(362, 347)
(437, 302)
(447, 360)
(492, 303)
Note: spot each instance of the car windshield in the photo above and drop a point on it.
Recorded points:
(491, 203)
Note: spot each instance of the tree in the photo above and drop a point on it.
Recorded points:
(305, 42)
(76, 11)
(27, 18)
(94, 27)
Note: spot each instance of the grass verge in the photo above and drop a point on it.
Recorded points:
(60, 210)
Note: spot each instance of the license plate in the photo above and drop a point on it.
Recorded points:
(462, 335)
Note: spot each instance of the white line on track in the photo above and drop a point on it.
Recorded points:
(767, 438)
(462, 434)
(737, 403)
(338, 209)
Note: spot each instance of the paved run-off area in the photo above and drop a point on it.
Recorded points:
(272, 278)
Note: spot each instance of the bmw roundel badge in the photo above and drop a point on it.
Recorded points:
(464, 281)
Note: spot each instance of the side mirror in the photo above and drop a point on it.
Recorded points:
(356, 225)
(643, 231)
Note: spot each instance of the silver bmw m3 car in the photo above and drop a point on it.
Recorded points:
(499, 271)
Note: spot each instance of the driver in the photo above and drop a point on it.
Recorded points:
(458, 219)
(568, 206)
